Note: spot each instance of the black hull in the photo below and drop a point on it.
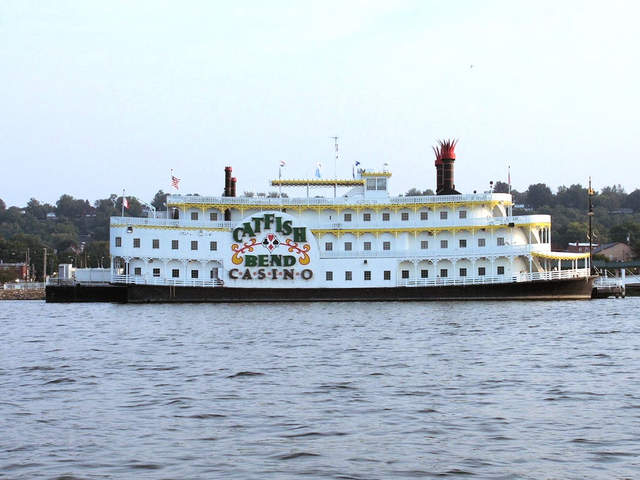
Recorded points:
(564, 289)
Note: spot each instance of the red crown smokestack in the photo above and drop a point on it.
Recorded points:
(233, 187)
(227, 181)
(445, 158)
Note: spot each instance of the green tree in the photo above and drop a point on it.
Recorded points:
(160, 201)
(574, 196)
(539, 195)
(501, 187)
(3, 206)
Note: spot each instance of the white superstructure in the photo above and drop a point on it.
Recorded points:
(362, 238)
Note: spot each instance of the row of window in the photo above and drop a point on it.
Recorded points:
(175, 245)
(424, 244)
(444, 273)
(175, 272)
(213, 216)
(366, 217)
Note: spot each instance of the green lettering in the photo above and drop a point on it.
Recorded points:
(247, 229)
(250, 261)
(299, 234)
(289, 260)
(268, 218)
(276, 260)
(286, 227)
(256, 224)
(237, 234)
(263, 260)
(278, 224)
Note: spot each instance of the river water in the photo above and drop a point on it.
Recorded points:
(507, 390)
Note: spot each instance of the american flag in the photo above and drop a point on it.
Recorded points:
(125, 202)
(175, 181)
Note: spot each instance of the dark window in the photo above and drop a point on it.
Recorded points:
(386, 245)
(213, 216)
(424, 215)
(137, 271)
(444, 273)
(463, 272)
(500, 270)
(367, 245)
(405, 273)
(482, 242)
(213, 245)
(194, 273)
(194, 215)
(444, 243)
(156, 272)
(443, 215)
(136, 243)
(347, 246)
(500, 241)
(175, 273)
(367, 274)
(328, 246)
(366, 217)
(348, 275)
(424, 273)
(462, 214)
(155, 243)
(328, 276)
(194, 244)
(118, 241)
(404, 216)
(213, 273)
(424, 244)
(387, 274)
(385, 216)
(174, 244)
(463, 243)
(347, 217)
(482, 271)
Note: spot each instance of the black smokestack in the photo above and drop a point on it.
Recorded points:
(445, 158)
(227, 181)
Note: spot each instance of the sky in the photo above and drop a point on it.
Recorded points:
(101, 96)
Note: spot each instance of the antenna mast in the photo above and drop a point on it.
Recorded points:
(335, 163)
(590, 194)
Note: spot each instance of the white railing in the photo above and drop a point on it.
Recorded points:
(23, 286)
(479, 280)
(439, 254)
(169, 222)
(143, 280)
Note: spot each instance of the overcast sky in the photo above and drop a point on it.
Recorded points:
(100, 96)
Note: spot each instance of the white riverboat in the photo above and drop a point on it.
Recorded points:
(359, 243)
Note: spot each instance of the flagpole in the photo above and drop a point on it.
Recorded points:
(280, 181)
(122, 203)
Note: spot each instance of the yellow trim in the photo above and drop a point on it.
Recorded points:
(375, 174)
(317, 183)
(415, 230)
(561, 255)
(173, 227)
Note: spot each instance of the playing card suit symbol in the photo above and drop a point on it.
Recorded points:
(270, 242)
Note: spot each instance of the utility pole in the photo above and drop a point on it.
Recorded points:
(44, 267)
(590, 194)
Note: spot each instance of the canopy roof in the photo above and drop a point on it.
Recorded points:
(561, 255)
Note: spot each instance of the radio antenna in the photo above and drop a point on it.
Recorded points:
(335, 162)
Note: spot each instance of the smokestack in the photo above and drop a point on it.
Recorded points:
(233, 187)
(445, 158)
(227, 181)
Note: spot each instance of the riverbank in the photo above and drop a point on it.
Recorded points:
(32, 294)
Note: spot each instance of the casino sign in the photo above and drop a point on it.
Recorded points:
(269, 247)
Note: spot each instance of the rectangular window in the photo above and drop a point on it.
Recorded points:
(482, 242)
(424, 273)
(194, 215)
(444, 243)
(424, 215)
(328, 246)
(156, 272)
(194, 273)
(136, 243)
(328, 276)
(405, 274)
(367, 246)
(213, 246)
(366, 217)
(348, 276)
(387, 274)
(118, 241)
(155, 243)
(462, 214)
(463, 243)
(500, 270)
(500, 241)
(424, 244)
(404, 216)
(463, 272)
(381, 184)
(174, 244)
(367, 274)
(482, 271)
(371, 183)
(386, 245)
(194, 244)
(175, 273)
(443, 215)
(444, 273)
(213, 273)
(137, 271)
(347, 217)
(213, 216)
(385, 216)
(347, 246)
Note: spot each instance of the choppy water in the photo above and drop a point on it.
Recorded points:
(333, 390)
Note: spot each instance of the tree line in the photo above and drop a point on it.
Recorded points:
(77, 231)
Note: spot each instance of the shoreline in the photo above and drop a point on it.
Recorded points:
(35, 294)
